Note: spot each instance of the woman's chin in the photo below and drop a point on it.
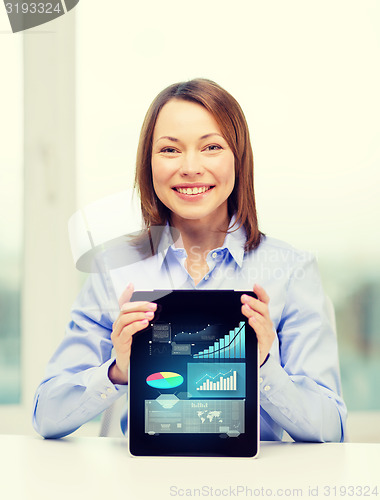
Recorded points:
(211, 217)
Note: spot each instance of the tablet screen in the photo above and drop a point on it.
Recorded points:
(193, 387)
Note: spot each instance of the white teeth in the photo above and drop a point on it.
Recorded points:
(195, 190)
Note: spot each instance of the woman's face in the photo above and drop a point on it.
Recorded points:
(192, 164)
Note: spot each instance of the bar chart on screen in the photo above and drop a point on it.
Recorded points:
(216, 380)
(222, 382)
(232, 345)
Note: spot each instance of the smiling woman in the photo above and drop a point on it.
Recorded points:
(199, 102)
(194, 173)
(192, 176)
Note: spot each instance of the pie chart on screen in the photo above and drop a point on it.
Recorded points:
(164, 380)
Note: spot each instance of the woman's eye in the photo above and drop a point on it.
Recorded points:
(169, 150)
(213, 147)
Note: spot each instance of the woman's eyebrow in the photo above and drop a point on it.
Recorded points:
(174, 139)
(209, 135)
(168, 137)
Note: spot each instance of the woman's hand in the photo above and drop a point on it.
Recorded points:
(257, 312)
(133, 317)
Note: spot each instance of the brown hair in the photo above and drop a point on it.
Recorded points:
(231, 120)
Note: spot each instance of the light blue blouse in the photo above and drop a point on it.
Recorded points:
(300, 389)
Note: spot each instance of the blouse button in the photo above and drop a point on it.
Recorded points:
(214, 255)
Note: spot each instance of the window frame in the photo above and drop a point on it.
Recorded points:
(50, 281)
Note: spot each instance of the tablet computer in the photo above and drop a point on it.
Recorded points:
(193, 377)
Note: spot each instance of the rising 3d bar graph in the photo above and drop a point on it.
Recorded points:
(230, 346)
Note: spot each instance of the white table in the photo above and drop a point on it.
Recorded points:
(32, 468)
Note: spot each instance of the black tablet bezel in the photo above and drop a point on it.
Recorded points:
(225, 304)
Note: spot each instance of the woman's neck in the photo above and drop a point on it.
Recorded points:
(199, 237)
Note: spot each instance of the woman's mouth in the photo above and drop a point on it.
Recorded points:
(192, 191)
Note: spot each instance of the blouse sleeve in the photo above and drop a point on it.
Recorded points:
(302, 392)
(76, 386)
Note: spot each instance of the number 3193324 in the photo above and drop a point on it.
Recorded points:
(33, 8)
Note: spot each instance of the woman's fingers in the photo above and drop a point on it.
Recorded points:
(127, 319)
(138, 306)
(125, 335)
(255, 305)
(134, 311)
(251, 314)
(261, 293)
(257, 312)
(133, 317)
(127, 306)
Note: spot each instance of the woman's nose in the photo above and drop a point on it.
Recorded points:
(191, 165)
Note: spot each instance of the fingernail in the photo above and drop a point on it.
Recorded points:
(152, 306)
(244, 298)
(149, 314)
